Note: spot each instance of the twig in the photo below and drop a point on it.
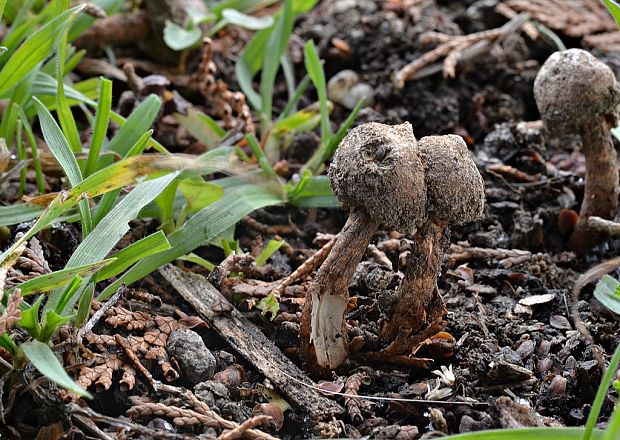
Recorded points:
(240, 430)
(290, 229)
(97, 316)
(380, 398)
(305, 269)
(456, 50)
(505, 257)
(134, 359)
(607, 227)
(85, 412)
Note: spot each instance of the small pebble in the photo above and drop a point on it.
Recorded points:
(196, 362)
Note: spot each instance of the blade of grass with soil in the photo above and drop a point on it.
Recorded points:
(44, 360)
(201, 228)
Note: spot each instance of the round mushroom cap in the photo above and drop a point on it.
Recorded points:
(377, 167)
(454, 186)
(572, 88)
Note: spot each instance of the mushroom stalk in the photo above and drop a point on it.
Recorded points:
(419, 308)
(323, 329)
(601, 189)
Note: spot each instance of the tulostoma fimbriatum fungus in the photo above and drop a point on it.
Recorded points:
(578, 94)
(454, 196)
(384, 178)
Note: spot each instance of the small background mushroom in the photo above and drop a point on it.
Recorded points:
(578, 94)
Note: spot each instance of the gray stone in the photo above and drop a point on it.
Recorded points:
(196, 362)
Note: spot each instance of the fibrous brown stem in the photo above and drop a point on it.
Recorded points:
(601, 191)
(420, 309)
(323, 333)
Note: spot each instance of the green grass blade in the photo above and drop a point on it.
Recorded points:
(116, 224)
(605, 293)
(58, 144)
(263, 160)
(201, 228)
(62, 152)
(326, 150)
(45, 87)
(65, 116)
(269, 249)
(18, 213)
(102, 120)
(99, 183)
(196, 259)
(293, 100)
(248, 65)
(137, 123)
(35, 49)
(614, 9)
(601, 393)
(85, 305)
(51, 281)
(202, 127)
(112, 228)
(44, 360)
(108, 200)
(527, 433)
(315, 193)
(334, 141)
(21, 155)
(613, 428)
(149, 245)
(317, 75)
(34, 151)
(276, 45)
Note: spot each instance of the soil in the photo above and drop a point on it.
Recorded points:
(517, 358)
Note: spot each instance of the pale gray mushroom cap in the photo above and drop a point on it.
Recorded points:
(377, 167)
(573, 87)
(454, 186)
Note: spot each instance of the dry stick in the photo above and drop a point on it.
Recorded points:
(97, 316)
(86, 413)
(477, 44)
(187, 417)
(290, 229)
(509, 13)
(607, 227)
(240, 430)
(122, 342)
(379, 398)
(590, 275)
(306, 268)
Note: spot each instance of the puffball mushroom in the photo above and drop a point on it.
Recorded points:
(454, 196)
(578, 94)
(378, 176)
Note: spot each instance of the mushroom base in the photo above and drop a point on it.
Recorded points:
(420, 310)
(323, 328)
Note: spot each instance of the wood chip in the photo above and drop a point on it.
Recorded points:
(560, 322)
(535, 300)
